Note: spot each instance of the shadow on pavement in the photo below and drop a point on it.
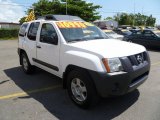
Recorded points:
(58, 103)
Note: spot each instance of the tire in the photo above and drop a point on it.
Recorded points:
(26, 66)
(81, 89)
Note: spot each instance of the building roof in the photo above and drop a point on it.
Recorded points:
(10, 23)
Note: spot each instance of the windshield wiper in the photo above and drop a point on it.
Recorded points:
(76, 40)
(98, 38)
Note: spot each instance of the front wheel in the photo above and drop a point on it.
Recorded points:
(81, 89)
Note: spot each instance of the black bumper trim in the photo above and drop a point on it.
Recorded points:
(121, 83)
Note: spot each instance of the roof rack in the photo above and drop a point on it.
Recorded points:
(61, 17)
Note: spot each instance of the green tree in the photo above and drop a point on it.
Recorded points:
(22, 20)
(150, 21)
(135, 19)
(86, 11)
(109, 18)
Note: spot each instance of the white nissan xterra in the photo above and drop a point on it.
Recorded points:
(90, 64)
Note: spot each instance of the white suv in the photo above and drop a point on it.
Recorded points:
(89, 63)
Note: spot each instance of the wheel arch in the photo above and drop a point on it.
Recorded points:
(20, 52)
(70, 68)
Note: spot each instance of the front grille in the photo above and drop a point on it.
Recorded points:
(138, 58)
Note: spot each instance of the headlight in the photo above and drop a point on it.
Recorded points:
(112, 64)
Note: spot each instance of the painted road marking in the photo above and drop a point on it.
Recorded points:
(29, 92)
(41, 90)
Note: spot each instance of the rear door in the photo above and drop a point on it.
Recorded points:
(137, 37)
(47, 50)
(30, 40)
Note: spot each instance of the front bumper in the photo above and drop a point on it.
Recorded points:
(121, 83)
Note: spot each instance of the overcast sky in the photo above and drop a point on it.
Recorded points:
(13, 10)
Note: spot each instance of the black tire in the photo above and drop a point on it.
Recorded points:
(26, 66)
(91, 93)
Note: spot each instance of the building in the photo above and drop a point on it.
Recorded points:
(8, 25)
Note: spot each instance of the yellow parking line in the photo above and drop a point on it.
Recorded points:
(157, 63)
(42, 89)
(28, 92)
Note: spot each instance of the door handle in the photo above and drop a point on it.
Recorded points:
(38, 46)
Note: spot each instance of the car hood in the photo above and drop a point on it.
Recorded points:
(108, 48)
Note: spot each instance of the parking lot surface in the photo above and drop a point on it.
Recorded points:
(41, 97)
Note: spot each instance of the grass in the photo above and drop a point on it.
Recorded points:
(9, 38)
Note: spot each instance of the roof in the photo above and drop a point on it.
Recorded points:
(11, 23)
(105, 21)
(61, 18)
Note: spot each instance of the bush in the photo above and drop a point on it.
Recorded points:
(9, 33)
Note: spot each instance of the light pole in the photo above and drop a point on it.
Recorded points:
(134, 13)
(66, 7)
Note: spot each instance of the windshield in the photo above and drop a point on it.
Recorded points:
(157, 33)
(80, 31)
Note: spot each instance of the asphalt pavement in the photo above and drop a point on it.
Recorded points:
(41, 97)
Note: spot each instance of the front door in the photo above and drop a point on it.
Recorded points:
(149, 38)
(48, 49)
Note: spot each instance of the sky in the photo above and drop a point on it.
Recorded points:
(13, 10)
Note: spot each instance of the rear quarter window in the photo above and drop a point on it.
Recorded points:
(32, 32)
(23, 29)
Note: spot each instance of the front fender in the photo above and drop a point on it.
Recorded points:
(83, 60)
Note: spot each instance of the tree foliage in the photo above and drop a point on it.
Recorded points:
(22, 20)
(135, 19)
(109, 18)
(86, 11)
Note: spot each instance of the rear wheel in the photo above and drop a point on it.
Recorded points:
(26, 66)
(81, 89)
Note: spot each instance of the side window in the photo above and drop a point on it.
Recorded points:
(148, 33)
(48, 34)
(32, 32)
(137, 33)
(23, 29)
